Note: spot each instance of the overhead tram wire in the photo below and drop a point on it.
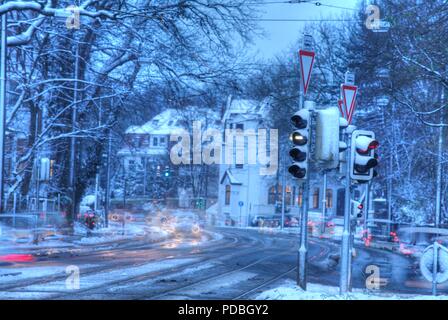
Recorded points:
(316, 3)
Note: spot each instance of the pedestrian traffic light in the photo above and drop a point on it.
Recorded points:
(329, 125)
(357, 210)
(363, 157)
(44, 168)
(300, 138)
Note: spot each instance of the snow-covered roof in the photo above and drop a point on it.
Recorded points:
(247, 108)
(171, 119)
(231, 177)
(162, 124)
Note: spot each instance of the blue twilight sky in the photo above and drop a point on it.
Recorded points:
(279, 35)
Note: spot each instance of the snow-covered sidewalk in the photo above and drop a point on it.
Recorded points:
(81, 238)
(290, 291)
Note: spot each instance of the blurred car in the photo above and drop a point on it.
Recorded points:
(120, 215)
(258, 221)
(188, 224)
(291, 221)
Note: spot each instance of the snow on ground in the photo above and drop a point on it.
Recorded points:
(105, 278)
(105, 236)
(290, 291)
(218, 284)
(9, 275)
(142, 285)
(117, 232)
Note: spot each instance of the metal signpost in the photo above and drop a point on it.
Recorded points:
(241, 204)
(306, 57)
(345, 249)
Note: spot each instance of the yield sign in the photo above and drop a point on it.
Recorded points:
(349, 100)
(306, 66)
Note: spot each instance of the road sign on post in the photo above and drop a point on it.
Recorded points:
(347, 103)
(349, 93)
(306, 66)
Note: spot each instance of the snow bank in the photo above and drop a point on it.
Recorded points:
(116, 232)
(290, 291)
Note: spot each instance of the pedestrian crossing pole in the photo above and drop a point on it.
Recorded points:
(346, 234)
(3, 47)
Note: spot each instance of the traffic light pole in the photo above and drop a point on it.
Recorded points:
(3, 48)
(107, 196)
(324, 202)
(345, 250)
(303, 249)
(367, 207)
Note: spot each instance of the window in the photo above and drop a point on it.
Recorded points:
(300, 197)
(131, 165)
(288, 195)
(293, 196)
(316, 198)
(340, 203)
(329, 198)
(274, 193)
(240, 126)
(228, 190)
(155, 142)
(135, 141)
(170, 122)
(162, 141)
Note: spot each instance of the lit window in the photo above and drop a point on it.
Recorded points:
(288, 195)
(272, 195)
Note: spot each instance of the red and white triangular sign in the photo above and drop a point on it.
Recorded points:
(349, 99)
(306, 66)
(340, 103)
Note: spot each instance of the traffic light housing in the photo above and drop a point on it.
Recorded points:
(329, 125)
(357, 210)
(363, 158)
(300, 139)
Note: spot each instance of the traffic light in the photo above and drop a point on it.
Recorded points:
(300, 138)
(329, 125)
(44, 168)
(357, 210)
(363, 157)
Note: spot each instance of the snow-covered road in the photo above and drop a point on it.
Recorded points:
(225, 264)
